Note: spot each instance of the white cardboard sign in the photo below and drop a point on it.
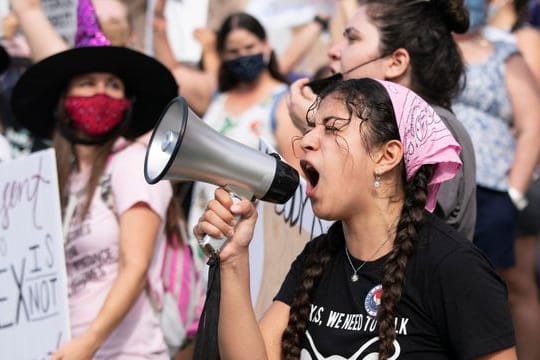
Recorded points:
(183, 17)
(33, 291)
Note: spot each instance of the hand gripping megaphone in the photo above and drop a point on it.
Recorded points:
(183, 147)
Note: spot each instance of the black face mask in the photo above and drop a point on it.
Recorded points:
(246, 68)
(318, 85)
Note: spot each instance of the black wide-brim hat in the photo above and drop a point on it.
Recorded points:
(4, 59)
(35, 96)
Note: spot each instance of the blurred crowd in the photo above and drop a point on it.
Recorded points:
(252, 69)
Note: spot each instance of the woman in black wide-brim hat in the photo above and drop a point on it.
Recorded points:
(93, 103)
(5, 151)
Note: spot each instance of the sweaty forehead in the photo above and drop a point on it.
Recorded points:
(331, 105)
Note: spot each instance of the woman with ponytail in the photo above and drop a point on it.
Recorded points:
(389, 280)
(408, 42)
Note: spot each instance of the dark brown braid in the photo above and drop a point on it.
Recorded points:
(175, 211)
(318, 254)
(369, 101)
(407, 230)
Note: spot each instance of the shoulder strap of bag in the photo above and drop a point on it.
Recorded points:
(178, 260)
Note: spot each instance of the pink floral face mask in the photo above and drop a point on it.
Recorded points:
(96, 115)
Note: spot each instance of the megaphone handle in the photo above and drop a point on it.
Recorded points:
(212, 245)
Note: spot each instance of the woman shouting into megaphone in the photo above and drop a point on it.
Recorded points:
(388, 280)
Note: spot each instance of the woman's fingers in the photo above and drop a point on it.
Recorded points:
(216, 221)
(298, 102)
(245, 209)
(296, 90)
(308, 93)
(225, 218)
(223, 197)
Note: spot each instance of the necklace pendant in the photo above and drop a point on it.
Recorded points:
(354, 278)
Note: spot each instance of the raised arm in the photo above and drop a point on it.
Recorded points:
(300, 98)
(525, 99)
(195, 85)
(529, 44)
(210, 57)
(286, 133)
(301, 42)
(162, 49)
(41, 36)
(239, 334)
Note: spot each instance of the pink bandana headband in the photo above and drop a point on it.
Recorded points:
(425, 139)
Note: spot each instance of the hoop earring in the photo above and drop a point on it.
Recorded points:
(377, 181)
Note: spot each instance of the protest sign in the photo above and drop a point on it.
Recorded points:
(275, 14)
(183, 17)
(33, 292)
(63, 16)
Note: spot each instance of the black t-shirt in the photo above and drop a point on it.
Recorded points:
(453, 305)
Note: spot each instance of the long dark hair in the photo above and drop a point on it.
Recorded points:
(226, 80)
(368, 100)
(521, 8)
(67, 162)
(424, 29)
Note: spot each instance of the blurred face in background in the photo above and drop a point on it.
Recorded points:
(90, 84)
(241, 42)
(95, 103)
(245, 56)
(357, 54)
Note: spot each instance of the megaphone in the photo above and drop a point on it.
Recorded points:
(183, 147)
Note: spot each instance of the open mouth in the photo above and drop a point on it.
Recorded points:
(312, 175)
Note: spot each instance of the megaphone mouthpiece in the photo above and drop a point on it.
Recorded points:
(284, 183)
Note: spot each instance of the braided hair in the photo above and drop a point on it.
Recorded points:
(318, 255)
(368, 100)
(395, 266)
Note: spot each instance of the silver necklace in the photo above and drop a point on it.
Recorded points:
(354, 276)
